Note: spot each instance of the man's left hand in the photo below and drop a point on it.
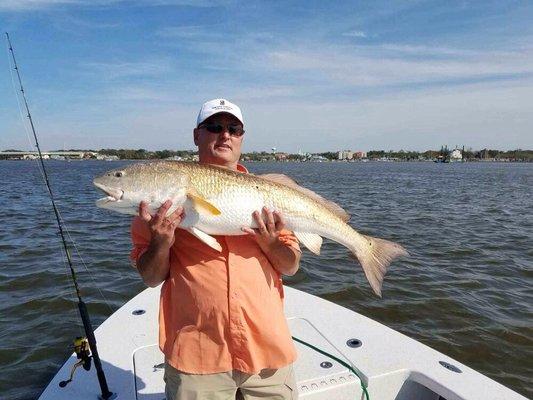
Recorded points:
(283, 258)
(268, 228)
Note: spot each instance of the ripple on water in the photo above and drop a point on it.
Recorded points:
(465, 290)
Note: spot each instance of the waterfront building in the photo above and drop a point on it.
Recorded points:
(456, 155)
(345, 155)
(281, 156)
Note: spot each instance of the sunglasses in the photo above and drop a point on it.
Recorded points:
(233, 130)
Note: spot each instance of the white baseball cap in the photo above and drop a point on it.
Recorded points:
(216, 106)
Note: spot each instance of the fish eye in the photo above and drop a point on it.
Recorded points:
(119, 174)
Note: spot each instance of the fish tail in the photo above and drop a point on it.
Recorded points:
(375, 256)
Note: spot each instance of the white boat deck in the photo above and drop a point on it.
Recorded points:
(393, 366)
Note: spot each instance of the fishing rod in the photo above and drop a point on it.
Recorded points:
(89, 332)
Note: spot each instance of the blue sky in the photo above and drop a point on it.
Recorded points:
(308, 75)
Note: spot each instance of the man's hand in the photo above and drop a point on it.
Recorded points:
(283, 258)
(267, 232)
(161, 228)
(154, 265)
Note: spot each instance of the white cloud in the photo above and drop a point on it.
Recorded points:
(494, 115)
(139, 93)
(478, 116)
(354, 66)
(294, 96)
(113, 70)
(75, 23)
(185, 31)
(381, 66)
(192, 3)
(356, 34)
(26, 5)
(292, 115)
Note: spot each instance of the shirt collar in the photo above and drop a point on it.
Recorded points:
(242, 168)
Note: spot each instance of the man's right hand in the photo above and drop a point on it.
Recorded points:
(153, 265)
(162, 228)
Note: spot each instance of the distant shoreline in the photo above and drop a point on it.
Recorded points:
(291, 161)
(442, 156)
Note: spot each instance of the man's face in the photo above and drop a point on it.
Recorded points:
(218, 148)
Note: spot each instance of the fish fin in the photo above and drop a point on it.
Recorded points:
(312, 241)
(204, 237)
(202, 205)
(376, 259)
(330, 205)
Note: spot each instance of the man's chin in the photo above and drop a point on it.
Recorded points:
(223, 155)
(223, 152)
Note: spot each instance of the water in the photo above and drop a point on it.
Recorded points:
(466, 290)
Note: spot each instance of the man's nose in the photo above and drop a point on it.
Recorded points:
(225, 133)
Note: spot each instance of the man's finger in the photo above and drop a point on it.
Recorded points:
(162, 212)
(176, 217)
(249, 231)
(143, 211)
(271, 225)
(260, 223)
(176, 214)
(280, 221)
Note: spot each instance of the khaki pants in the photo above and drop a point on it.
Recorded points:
(276, 384)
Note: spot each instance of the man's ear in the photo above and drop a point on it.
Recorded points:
(195, 134)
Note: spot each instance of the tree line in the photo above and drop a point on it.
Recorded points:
(469, 155)
(142, 154)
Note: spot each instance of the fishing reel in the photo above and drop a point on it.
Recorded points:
(83, 352)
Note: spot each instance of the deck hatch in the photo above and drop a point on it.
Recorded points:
(314, 372)
(148, 367)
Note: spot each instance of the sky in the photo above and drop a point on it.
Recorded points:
(309, 76)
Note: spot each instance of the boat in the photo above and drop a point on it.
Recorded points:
(388, 364)
(441, 159)
(444, 155)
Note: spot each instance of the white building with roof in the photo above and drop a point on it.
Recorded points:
(456, 155)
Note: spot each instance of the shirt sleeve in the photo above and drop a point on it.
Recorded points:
(289, 239)
(140, 237)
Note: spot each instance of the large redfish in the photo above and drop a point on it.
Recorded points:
(218, 201)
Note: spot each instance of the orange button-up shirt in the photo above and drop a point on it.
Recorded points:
(220, 311)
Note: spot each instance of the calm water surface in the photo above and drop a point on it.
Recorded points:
(466, 290)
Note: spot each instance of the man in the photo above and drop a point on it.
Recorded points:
(221, 321)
